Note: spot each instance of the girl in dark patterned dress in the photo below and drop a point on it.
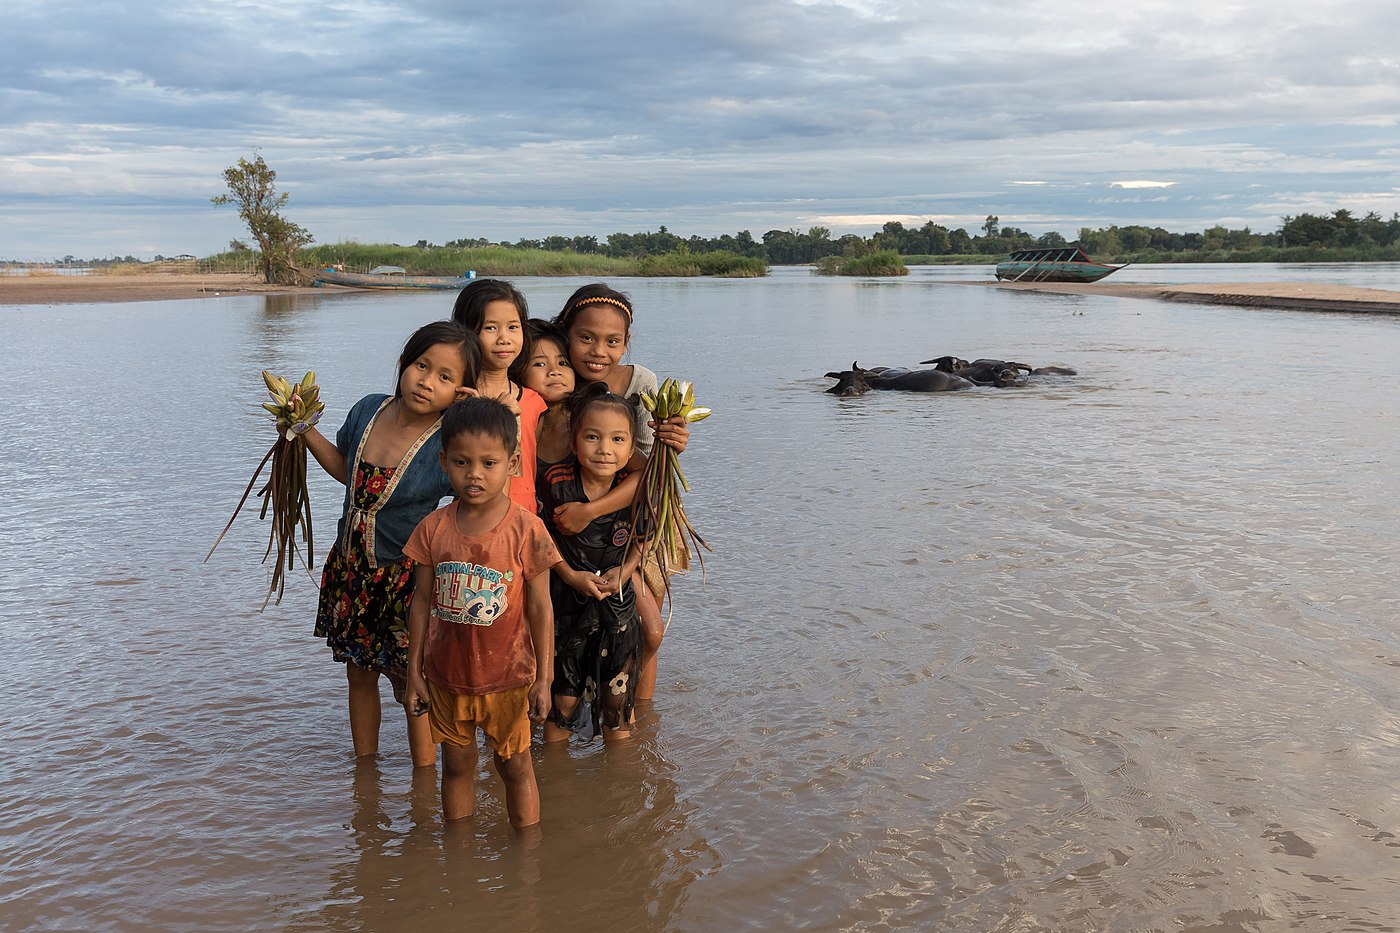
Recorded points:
(386, 454)
(597, 325)
(597, 632)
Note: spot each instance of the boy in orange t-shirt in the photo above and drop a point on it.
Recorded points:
(481, 651)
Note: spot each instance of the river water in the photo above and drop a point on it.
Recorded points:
(1107, 652)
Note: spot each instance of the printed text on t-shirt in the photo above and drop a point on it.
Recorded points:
(469, 594)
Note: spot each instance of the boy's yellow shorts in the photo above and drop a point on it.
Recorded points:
(504, 717)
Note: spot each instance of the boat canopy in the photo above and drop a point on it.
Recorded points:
(1059, 254)
(387, 270)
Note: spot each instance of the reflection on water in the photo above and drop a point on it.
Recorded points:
(1106, 652)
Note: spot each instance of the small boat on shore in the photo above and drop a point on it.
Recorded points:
(1062, 264)
(387, 277)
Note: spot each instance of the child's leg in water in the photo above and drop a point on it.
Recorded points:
(458, 781)
(564, 708)
(364, 709)
(420, 736)
(420, 740)
(653, 628)
(615, 711)
(522, 793)
(617, 691)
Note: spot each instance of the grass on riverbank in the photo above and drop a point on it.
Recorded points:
(881, 262)
(718, 263)
(505, 261)
(1371, 253)
(957, 259)
(450, 260)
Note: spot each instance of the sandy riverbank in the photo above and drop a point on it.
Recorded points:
(49, 289)
(1302, 296)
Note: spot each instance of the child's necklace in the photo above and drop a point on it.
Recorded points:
(493, 389)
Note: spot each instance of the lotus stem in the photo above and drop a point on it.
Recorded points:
(659, 521)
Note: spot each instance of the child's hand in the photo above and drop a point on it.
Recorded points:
(540, 700)
(572, 517)
(507, 398)
(587, 584)
(415, 697)
(673, 432)
(465, 392)
(611, 580)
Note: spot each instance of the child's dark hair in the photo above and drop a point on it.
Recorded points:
(540, 329)
(480, 416)
(469, 310)
(595, 294)
(598, 394)
(430, 335)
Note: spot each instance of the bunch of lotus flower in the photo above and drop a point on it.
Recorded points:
(295, 407)
(658, 516)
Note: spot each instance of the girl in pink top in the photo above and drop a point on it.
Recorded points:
(497, 313)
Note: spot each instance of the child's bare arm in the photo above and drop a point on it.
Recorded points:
(416, 695)
(633, 560)
(573, 517)
(612, 579)
(586, 583)
(326, 454)
(539, 611)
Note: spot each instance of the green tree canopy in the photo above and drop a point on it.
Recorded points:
(252, 188)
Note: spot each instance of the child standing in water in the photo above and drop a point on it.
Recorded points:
(387, 456)
(598, 638)
(481, 637)
(597, 322)
(496, 312)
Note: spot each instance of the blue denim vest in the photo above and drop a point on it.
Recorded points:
(418, 484)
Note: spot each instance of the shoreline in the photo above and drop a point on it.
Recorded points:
(1290, 296)
(49, 289)
(102, 288)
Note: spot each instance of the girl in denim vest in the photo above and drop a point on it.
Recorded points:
(386, 454)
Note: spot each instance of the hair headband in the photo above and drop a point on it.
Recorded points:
(600, 299)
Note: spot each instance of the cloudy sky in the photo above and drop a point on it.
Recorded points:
(394, 122)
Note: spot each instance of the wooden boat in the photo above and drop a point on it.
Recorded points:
(387, 277)
(1062, 264)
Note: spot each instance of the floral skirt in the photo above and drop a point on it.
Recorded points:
(363, 610)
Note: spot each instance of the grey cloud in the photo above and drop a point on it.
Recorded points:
(718, 113)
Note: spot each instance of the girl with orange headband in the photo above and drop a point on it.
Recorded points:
(597, 323)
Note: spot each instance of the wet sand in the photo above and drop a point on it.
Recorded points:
(49, 289)
(1303, 296)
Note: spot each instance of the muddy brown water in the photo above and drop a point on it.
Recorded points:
(1115, 651)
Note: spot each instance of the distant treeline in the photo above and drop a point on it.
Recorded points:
(1336, 237)
(71, 261)
(1306, 237)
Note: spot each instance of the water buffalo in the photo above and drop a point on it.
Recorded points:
(1001, 373)
(857, 381)
(982, 372)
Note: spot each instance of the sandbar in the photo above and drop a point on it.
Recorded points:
(1301, 296)
(96, 288)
